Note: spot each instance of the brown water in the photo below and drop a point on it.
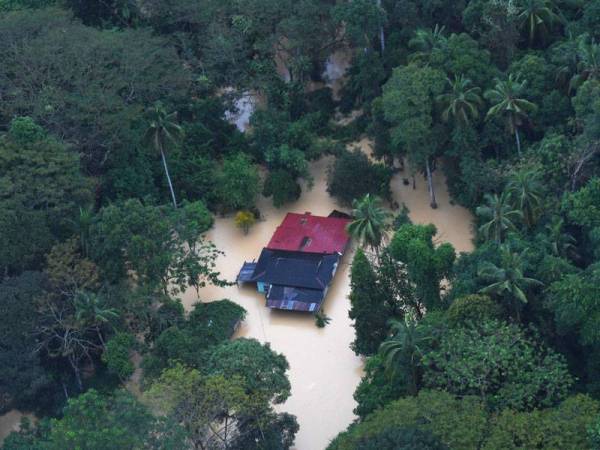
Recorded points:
(324, 372)
(10, 422)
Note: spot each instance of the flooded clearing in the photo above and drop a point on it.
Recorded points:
(324, 371)
(10, 422)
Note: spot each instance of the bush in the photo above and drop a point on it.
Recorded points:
(245, 220)
(473, 308)
(401, 438)
(282, 186)
(116, 355)
(208, 325)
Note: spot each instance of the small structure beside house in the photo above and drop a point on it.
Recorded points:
(298, 264)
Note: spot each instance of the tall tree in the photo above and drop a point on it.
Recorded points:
(536, 18)
(499, 215)
(560, 242)
(162, 132)
(588, 61)
(507, 280)
(408, 103)
(507, 100)
(425, 265)
(426, 40)
(501, 364)
(404, 351)
(368, 308)
(41, 190)
(370, 223)
(106, 422)
(92, 312)
(461, 102)
(525, 192)
(22, 374)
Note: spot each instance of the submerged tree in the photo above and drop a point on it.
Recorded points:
(408, 104)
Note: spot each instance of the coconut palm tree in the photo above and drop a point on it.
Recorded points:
(560, 244)
(536, 17)
(403, 352)
(588, 61)
(371, 220)
(426, 40)
(461, 101)
(163, 131)
(506, 98)
(500, 216)
(525, 192)
(507, 281)
(92, 313)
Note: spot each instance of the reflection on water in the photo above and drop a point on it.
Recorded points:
(324, 372)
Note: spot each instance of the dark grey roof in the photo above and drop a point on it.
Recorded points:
(287, 293)
(295, 269)
(246, 272)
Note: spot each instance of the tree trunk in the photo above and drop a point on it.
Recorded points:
(518, 140)
(164, 160)
(381, 34)
(433, 203)
(77, 373)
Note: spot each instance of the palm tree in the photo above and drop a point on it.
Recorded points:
(461, 101)
(500, 216)
(163, 131)
(506, 99)
(588, 61)
(524, 190)
(404, 351)
(508, 280)
(92, 313)
(537, 17)
(560, 244)
(426, 40)
(371, 220)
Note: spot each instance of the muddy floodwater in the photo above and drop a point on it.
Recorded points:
(324, 372)
(10, 422)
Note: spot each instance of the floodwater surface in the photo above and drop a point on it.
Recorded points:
(10, 422)
(324, 372)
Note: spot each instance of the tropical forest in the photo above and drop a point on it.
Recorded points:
(299, 224)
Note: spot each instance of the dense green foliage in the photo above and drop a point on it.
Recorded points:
(117, 146)
(465, 424)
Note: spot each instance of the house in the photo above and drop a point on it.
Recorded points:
(298, 264)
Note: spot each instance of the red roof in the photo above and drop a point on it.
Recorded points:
(311, 234)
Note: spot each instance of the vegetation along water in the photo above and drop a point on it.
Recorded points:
(311, 224)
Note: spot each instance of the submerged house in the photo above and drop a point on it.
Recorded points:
(298, 264)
